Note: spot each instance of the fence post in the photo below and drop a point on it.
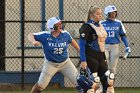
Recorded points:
(61, 9)
(43, 14)
(22, 19)
(2, 34)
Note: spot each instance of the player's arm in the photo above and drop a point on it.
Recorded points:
(84, 34)
(82, 43)
(75, 45)
(31, 38)
(124, 38)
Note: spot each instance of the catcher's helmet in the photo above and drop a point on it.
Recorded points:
(85, 79)
(109, 9)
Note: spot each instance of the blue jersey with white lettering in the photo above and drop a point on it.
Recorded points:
(115, 30)
(55, 48)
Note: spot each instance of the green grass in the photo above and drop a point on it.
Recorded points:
(127, 90)
(122, 90)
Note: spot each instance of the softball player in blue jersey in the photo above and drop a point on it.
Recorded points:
(116, 33)
(92, 47)
(55, 47)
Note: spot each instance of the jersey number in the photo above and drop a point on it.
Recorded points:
(111, 33)
(58, 50)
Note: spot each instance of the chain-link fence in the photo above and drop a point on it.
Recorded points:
(20, 61)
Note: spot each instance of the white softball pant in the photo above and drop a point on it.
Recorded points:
(67, 68)
(112, 55)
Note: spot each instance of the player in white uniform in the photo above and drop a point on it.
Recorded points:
(55, 47)
(116, 34)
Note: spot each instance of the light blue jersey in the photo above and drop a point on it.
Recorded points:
(55, 48)
(115, 30)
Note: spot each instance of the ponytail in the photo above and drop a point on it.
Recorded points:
(92, 10)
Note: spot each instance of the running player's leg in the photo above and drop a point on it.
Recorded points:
(47, 73)
(70, 71)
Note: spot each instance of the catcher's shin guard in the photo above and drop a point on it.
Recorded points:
(85, 79)
(110, 90)
(100, 89)
(96, 81)
(91, 91)
(111, 79)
